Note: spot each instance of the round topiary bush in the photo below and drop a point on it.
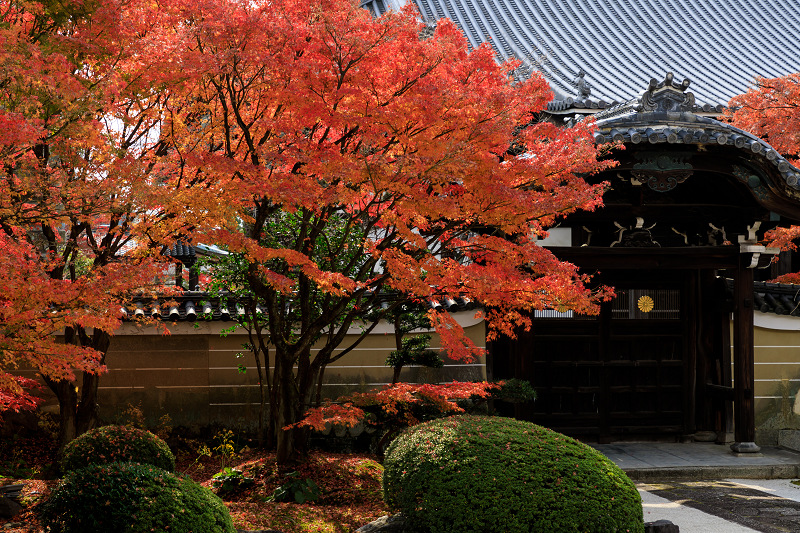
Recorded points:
(470, 473)
(110, 444)
(133, 498)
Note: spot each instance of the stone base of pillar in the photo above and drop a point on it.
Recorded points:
(748, 449)
(705, 436)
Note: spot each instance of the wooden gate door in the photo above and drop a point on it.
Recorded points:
(615, 376)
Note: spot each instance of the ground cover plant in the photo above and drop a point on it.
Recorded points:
(467, 473)
(349, 486)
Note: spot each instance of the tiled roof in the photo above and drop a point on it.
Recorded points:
(720, 45)
(781, 299)
(193, 306)
(183, 252)
(777, 298)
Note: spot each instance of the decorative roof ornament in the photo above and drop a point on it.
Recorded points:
(580, 83)
(662, 172)
(667, 96)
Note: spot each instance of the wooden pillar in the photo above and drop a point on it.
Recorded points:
(178, 274)
(743, 359)
(691, 312)
(723, 365)
(604, 356)
(706, 402)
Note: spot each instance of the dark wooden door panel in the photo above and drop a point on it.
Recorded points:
(618, 375)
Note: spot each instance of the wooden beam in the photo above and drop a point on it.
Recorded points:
(596, 257)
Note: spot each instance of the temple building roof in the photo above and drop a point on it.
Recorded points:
(616, 44)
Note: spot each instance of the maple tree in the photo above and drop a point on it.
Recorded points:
(771, 110)
(397, 406)
(17, 397)
(81, 190)
(355, 166)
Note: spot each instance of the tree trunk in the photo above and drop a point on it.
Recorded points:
(296, 391)
(79, 415)
(262, 396)
(86, 416)
(287, 451)
(292, 444)
(67, 394)
(262, 415)
(275, 395)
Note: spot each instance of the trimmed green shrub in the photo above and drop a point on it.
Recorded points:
(470, 473)
(110, 444)
(515, 391)
(133, 498)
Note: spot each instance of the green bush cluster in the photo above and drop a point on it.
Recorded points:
(119, 478)
(515, 391)
(469, 473)
(133, 498)
(110, 444)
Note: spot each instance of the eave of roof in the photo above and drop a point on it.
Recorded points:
(664, 114)
(692, 129)
(192, 306)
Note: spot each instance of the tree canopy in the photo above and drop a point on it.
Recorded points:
(771, 110)
(351, 165)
